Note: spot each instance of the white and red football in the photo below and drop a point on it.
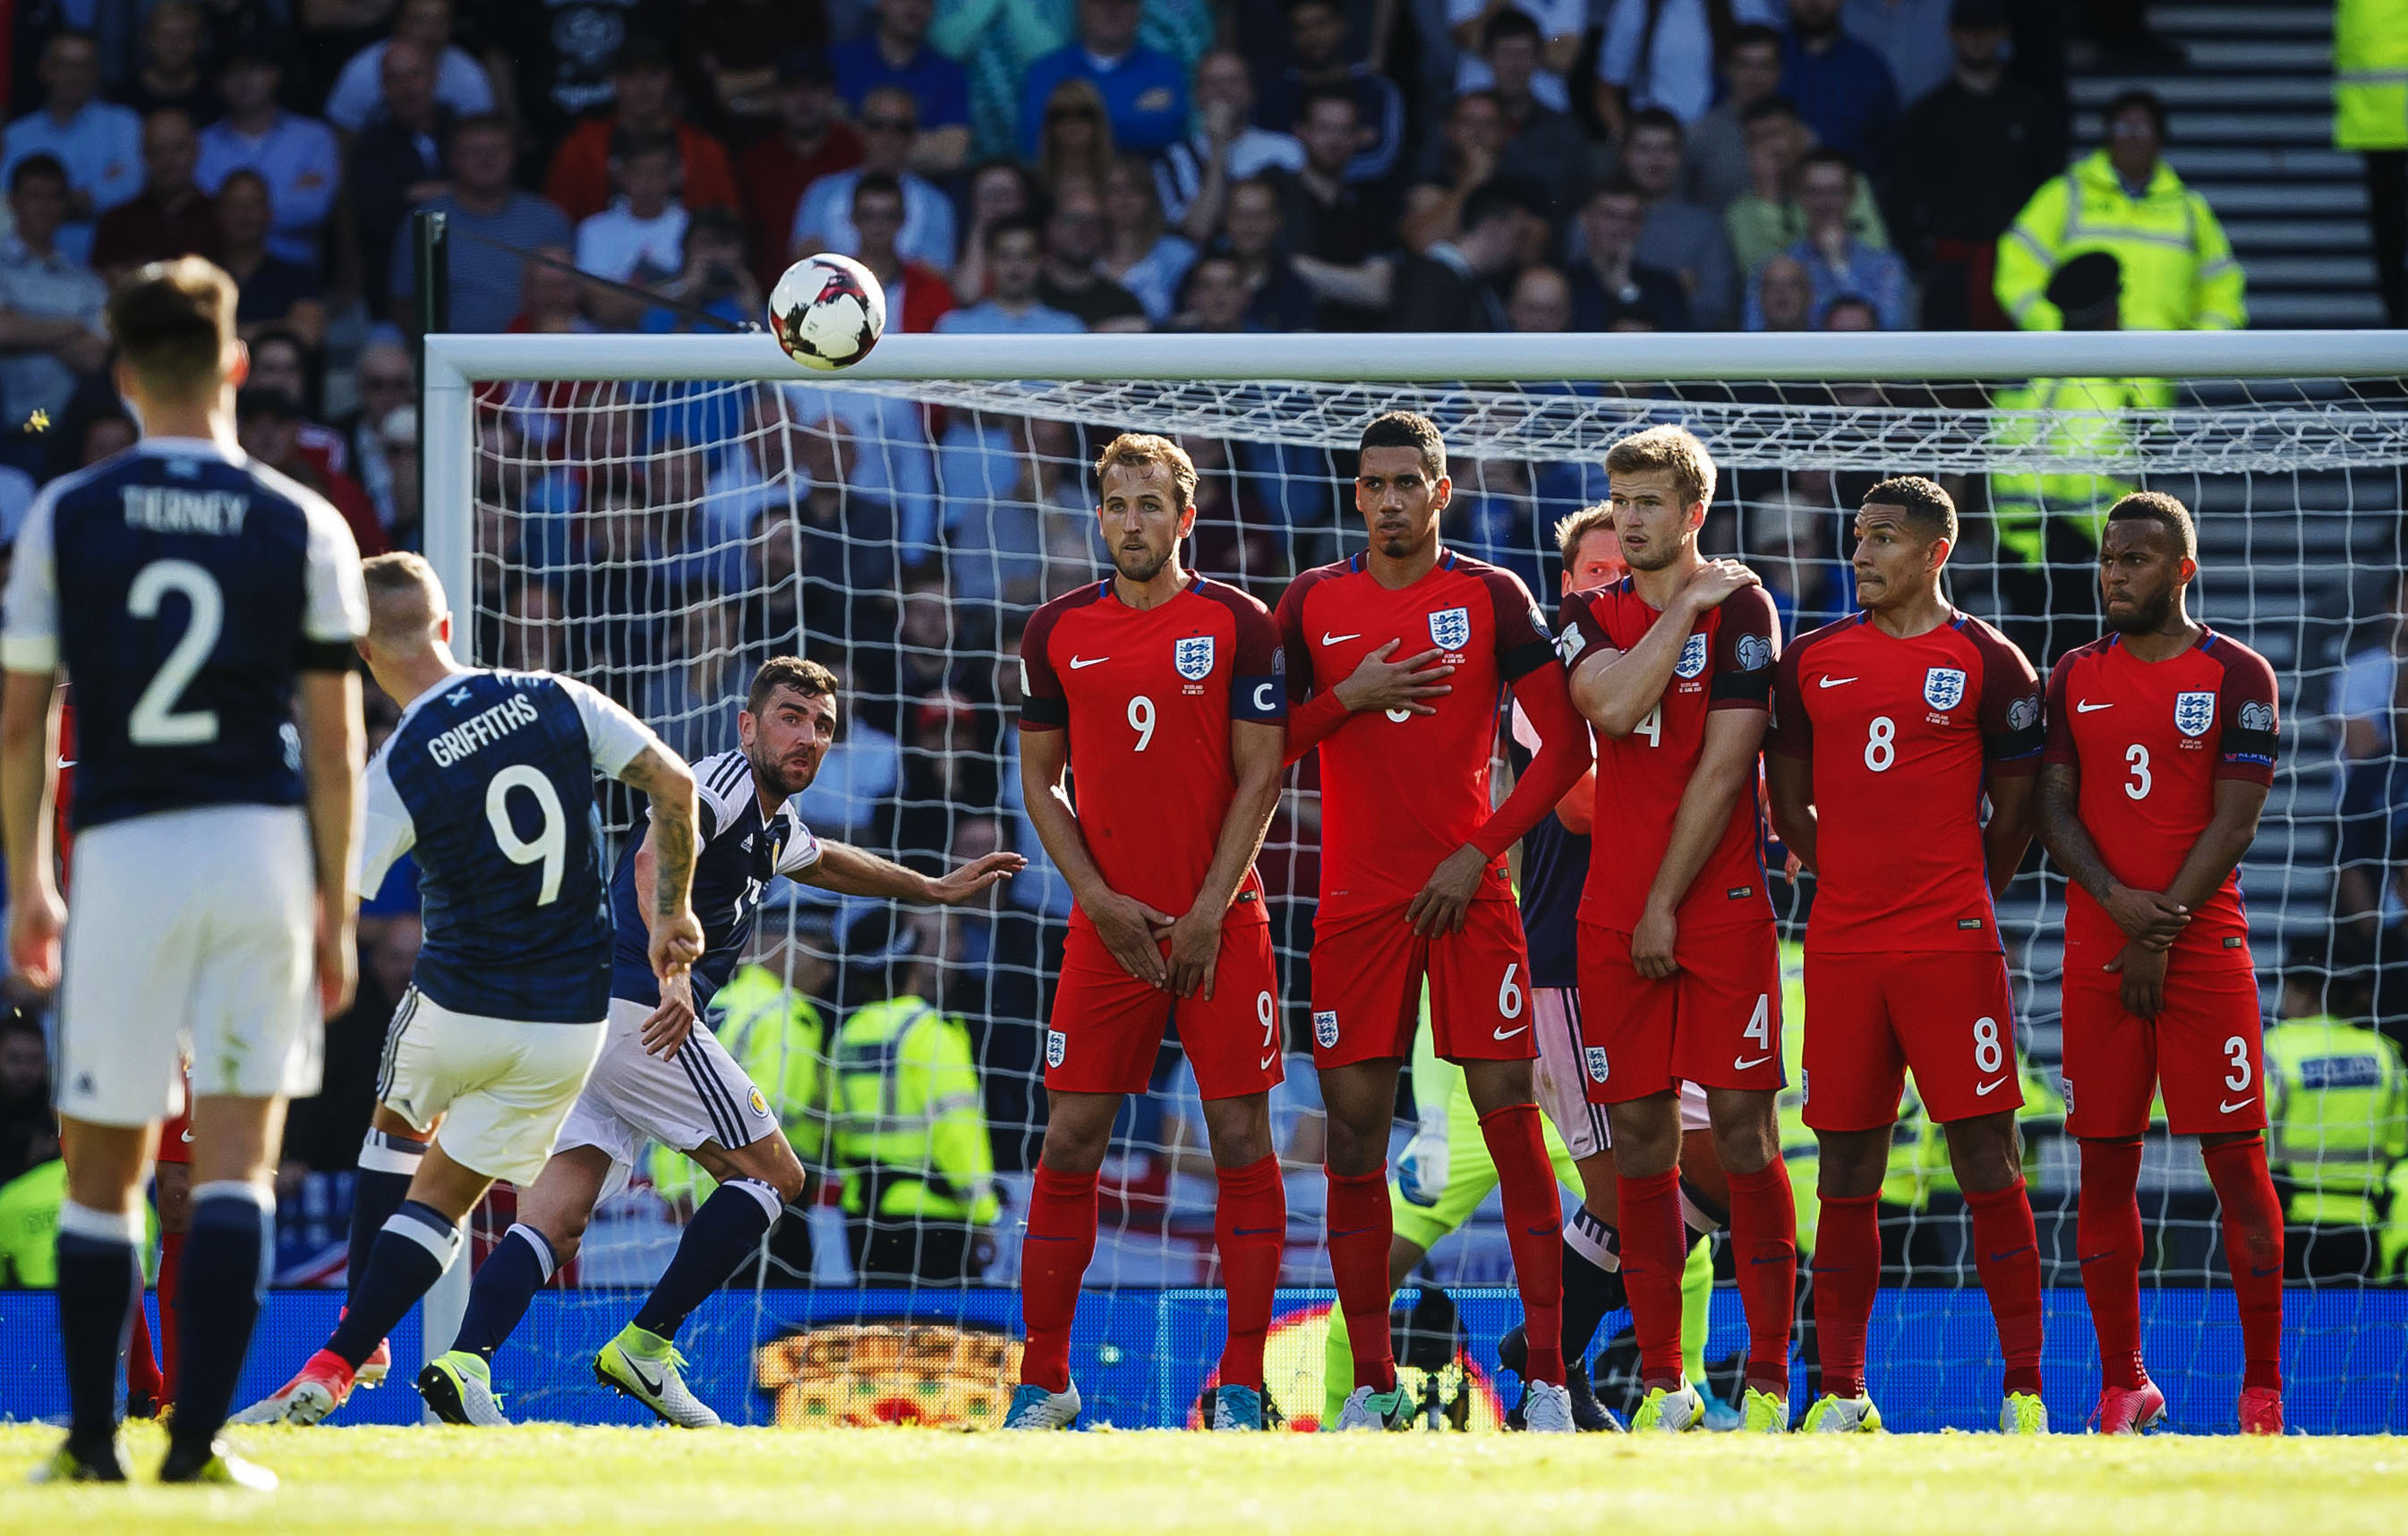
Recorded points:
(828, 311)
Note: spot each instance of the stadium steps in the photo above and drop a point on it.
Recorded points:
(2252, 131)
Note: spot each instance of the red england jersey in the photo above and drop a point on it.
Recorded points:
(2150, 740)
(1727, 662)
(1147, 697)
(1902, 735)
(1399, 792)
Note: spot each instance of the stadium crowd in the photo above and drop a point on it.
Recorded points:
(1033, 166)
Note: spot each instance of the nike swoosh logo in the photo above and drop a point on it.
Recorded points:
(2085, 707)
(1352, 1232)
(1831, 683)
(1506, 1034)
(1986, 1089)
(1265, 1065)
(2257, 1273)
(1079, 662)
(649, 1383)
(1543, 1231)
(1777, 1259)
(2088, 1259)
(1743, 1066)
(2012, 1253)
(2228, 1106)
(1255, 1231)
(1328, 638)
(1045, 1237)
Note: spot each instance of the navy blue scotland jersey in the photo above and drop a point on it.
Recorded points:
(1554, 866)
(183, 588)
(741, 852)
(488, 779)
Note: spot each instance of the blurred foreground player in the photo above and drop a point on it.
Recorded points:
(205, 608)
(2160, 751)
(1161, 692)
(1889, 727)
(1413, 883)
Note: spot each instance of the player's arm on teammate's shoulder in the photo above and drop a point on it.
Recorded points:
(2146, 917)
(2013, 739)
(1615, 690)
(1790, 762)
(29, 751)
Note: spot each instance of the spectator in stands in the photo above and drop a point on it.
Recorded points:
(1851, 312)
(49, 302)
(1717, 142)
(535, 633)
(1836, 262)
(1072, 282)
(24, 1089)
(483, 201)
(1660, 53)
(1910, 36)
(999, 189)
(1782, 297)
(1194, 175)
(551, 296)
(713, 277)
(1611, 285)
(267, 421)
(396, 159)
(1317, 59)
(1453, 286)
(644, 82)
(823, 220)
(1766, 218)
(459, 81)
(386, 383)
(274, 292)
(1337, 232)
(2178, 269)
(859, 776)
(1278, 297)
(1842, 86)
(728, 52)
(1969, 156)
(281, 364)
(895, 51)
(812, 140)
(917, 294)
(640, 237)
(1138, 254)
(170, 216)
(704, 666)
(2366, 693)
(98, 143)
(171, 73)
(1554, 29)
(1790, 550)
(849, 535)
(1542, 304)
(1679, 237)
(293, 155)
(1545, 149)
(1076, 142)
(1214, 298)
(1144, 90)
(1467, 155)
(556, 60)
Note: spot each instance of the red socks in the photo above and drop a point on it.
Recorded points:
(2253, 1246)
(1654, 1251)
(1361, 1227)
(2108, 1235)
(1847, 1273)
(1534, 1226)
(1052, 1260)
(143, 1378)
(2006, 1254)
(1250, 1224)
(171, 1311)
(1763, 1251)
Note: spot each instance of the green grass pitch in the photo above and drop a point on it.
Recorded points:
(900, 1483)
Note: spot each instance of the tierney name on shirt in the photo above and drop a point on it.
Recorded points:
(166, 509)
(480, 730)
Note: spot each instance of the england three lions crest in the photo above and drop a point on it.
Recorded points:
(1193, 656)
(1944, 687)
(2193, 711)
(1451, 629)
(1693, 657)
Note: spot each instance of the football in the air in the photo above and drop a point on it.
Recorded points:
(828, 311)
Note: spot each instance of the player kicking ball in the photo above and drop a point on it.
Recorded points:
(1680, 967)
(661, 1078)
(489, 777)
(205, 608)
(1161, 692)
(1888, 728)
(2160, 751)
(1396, 660)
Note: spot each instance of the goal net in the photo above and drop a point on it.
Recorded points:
(657, 515)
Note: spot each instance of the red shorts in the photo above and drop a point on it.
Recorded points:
(2204, 1047)
(176, 1134)
(1948, 1017)
(1717, 1022)
(1367, 974)
(1108, 1026)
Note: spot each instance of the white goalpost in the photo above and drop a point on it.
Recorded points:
(657, 513)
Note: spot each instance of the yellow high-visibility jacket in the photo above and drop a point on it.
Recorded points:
(2179, 273)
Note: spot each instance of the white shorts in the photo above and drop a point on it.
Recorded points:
(1563, 1082)
(500, 1086)
(682, 1100)
(190, 932)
